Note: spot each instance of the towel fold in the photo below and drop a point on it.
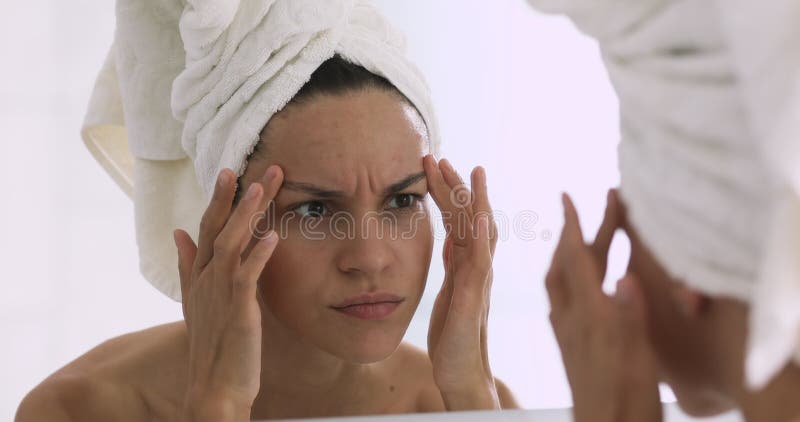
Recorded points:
(188, 86)
(709, 159)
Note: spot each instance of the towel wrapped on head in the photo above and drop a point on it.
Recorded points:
(188, 87)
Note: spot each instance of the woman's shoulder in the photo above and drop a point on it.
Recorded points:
(135, 376)
(412, 376)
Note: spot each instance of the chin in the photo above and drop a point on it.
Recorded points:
(372, 349)
(702, 404)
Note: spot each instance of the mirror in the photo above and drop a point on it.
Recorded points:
(523, 94)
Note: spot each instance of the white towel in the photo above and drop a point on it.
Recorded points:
(709, 94)
(188, 86)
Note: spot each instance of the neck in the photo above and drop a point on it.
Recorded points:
(300, 380)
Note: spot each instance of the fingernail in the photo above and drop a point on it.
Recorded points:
(175, 237)
(270, 174)
(270, 238)
(447, 165)
(224, 177)
(251, 191)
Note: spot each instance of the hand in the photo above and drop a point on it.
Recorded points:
(457, 333)
(604, 342)
(220, 304)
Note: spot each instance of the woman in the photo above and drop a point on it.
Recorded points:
(710, 118)
(301, 313)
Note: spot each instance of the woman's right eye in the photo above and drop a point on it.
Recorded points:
(311, 209)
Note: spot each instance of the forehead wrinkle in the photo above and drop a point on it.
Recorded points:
(326, 193)
(312, 189)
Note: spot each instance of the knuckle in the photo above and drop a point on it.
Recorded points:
(221, 246)
(206, 223)
(480, 267)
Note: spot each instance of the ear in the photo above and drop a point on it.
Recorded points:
(690, 303)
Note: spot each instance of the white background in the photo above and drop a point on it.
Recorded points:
(523, 94)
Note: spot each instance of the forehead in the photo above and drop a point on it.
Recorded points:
(364, 128)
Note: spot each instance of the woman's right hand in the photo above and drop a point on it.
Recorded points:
(604, 341)
(220, 302)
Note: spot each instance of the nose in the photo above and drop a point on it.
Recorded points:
(368, 251)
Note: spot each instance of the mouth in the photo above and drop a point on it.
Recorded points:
(369, 306)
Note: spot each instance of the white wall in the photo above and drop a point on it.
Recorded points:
(520, 93)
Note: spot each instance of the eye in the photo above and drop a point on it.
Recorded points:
(404, 200)
(311, 209)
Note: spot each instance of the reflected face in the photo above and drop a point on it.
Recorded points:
(684, 345)
(353, 223)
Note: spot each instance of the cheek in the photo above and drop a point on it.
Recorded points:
(416, 251)
(294, 275)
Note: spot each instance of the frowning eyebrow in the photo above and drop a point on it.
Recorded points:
(324, 193)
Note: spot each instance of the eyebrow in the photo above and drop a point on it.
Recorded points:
(324, 193)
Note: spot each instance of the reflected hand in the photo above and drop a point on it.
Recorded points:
(457, 334)
(220, 305)
(604, 341)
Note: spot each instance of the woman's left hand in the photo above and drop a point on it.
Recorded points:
(457, 333)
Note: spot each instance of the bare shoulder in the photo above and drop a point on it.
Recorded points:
(117, 380)
(507, 399)
(416, 366)
(412, 367)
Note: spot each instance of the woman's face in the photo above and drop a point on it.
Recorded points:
(353, 223)
(686, 343)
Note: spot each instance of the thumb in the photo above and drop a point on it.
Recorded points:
(186, 255)
(605, 234)
(640, 372)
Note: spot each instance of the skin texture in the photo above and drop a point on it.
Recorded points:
(260, 339)
(617, 348)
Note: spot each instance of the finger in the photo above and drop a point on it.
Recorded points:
(481, 248)
(187, 252)
(640, 374)
(621, 209)
(239, 230)
(245, 284)
(460, 198)
(227, 246)
(573, 236)
(481, 205)
(605, 234)
(447, 258)
(214, 218)
(461, 195)
(441, 306)
(557, 289)
(578, 264)
(440, 192)
(264, 217)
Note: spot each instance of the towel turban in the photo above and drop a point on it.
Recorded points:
(188, 86)
(709, 160)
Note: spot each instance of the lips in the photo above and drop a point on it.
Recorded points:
(370, 306)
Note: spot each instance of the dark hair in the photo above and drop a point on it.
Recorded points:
(335, 76)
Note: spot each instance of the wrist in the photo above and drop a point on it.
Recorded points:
(477, 396)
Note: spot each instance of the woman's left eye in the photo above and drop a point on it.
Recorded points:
(404, 200)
